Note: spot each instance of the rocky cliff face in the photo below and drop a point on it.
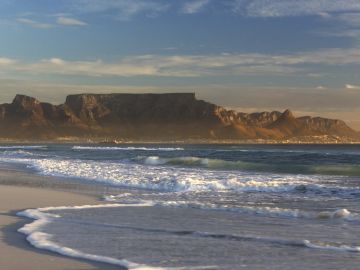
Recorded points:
(153, 117)
(141, 107)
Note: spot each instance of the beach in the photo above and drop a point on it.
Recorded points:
(15, 252)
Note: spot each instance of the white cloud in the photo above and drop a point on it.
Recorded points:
(33, 23)
(70, 21)
(348, 26)
(337, 56)
(56, 61)
(194, 6)
(351, 86)
(324, 15)
(6, 61)
(191, 65)
(350, 33)
(125, 9)
(285, 8)
(88, 68)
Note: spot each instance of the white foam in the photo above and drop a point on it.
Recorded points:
(339, 214)
(17, 153)
(43, 240)
(166, 178)
(155, 160)
(23, 147)
(324, 246)
(130, 148)
(171, 178)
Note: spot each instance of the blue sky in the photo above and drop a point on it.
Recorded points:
(247, 55)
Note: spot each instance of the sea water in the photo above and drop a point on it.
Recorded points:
(203, 206)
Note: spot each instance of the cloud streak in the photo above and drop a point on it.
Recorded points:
(253, 8)
(286, 8)
(352, 87)
(127, 9)
(124, 9)
(351, 18)
(68, 21)
(60, 20)
(193, 7)
(33, 23)
(191, 65)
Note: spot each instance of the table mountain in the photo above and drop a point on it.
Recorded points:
(156, 117)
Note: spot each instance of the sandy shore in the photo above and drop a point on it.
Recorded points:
(15, 252)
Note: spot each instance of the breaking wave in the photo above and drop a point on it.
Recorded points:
(174, 179)
(17, 154)
(42, 240)
(251, 210)
(346, 170)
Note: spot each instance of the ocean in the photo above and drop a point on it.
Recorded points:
(202, 206)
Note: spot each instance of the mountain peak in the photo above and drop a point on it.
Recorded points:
(25, 101)
(287, 114)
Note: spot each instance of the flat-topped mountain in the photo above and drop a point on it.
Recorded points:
(155, 117)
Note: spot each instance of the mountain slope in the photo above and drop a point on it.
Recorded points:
(154, 117)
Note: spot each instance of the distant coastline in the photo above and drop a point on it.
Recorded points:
(295, 141)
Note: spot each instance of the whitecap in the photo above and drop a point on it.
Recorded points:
(23, 147)
(130, 148)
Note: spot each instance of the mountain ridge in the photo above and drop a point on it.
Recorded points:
(162, 117)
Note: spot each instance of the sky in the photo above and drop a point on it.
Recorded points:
(248, 55)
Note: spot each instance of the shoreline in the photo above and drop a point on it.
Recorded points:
(258, 202)
(16, 253)
(189, 142)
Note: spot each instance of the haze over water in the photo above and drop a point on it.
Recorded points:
(204, 206)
